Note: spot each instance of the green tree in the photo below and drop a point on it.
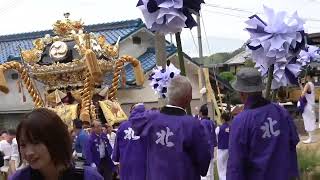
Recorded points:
(228, 76)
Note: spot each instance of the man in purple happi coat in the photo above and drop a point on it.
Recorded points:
(130, 150)
(98, 151)
(209, 128)
(263, 136)
(176, 145)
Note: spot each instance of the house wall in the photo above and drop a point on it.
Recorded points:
(147, 94)
(12, 102)
(10, 121)
(128, 48)
(12, 107)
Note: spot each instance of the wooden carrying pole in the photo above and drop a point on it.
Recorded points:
(201, 72)
(161, 57)
(181, 62)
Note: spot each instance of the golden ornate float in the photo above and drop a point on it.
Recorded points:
(72, 65)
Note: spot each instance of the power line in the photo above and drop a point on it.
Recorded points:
(226, 14)
(228, 8)
(247, 11)
(194, 42)
(243, 18)
(205, 33)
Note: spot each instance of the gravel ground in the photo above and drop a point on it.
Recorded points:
(315, 146)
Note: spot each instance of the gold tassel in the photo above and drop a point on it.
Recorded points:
(19, 86)
(3, 83)
(93, 66)
(58, 99)
(123, 78)
(138, 72)
(24, 98)
(46, 99)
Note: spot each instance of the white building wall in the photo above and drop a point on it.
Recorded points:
(147, 94)
(12, 102)
(128, 48)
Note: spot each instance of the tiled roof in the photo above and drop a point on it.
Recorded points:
(239, 58)
(148, 61)
(9, 43)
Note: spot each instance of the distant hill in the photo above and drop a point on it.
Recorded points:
(221, 57)
(217, 44)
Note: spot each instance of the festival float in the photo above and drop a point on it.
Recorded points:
(72, 65)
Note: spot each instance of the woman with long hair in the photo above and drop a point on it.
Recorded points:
(44, 143)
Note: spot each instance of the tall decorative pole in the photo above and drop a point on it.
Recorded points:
(202, 83)
(269, 81)
(181, 62)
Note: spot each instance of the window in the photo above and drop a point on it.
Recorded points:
(136, 40)
(14, 76)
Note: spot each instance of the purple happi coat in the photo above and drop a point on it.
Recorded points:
(223, 136)
(302, 104)
(30, 174)
(263, 141)
(92, 153)
(130, 150)
(209, 127)
(177, 146)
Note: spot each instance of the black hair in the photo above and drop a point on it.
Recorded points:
(45, 126)
(310, 73)
(4, 132)
(77, 123)
(12, 132)
(204, 110)
(226, 116)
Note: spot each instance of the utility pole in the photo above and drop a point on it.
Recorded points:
(202, 82)
(161, 57)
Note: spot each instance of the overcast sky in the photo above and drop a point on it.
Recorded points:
(224, 27)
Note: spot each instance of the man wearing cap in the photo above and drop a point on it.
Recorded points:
(263, 138)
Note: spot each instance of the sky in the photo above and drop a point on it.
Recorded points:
(222, 27)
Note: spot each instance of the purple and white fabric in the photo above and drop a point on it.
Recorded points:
(169, 16)
(276, 41)
(302, 104)
(286, 73)
(308, 55)
(262, 139)
(160, 78)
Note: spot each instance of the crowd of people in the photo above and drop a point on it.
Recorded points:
(9, 154)
(255, 142)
